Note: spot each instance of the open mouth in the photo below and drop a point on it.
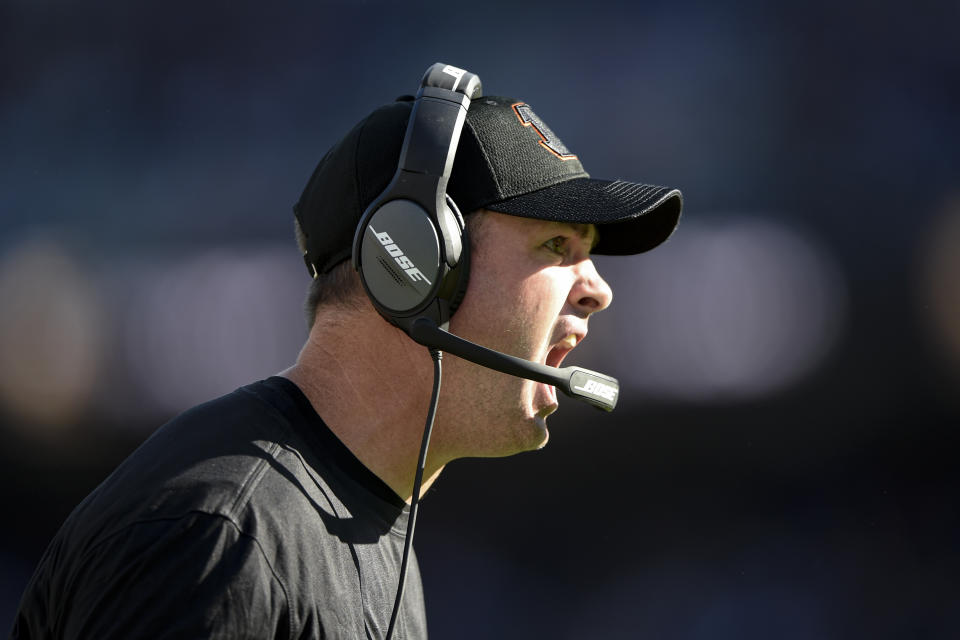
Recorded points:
(560, 350)
(554, 358)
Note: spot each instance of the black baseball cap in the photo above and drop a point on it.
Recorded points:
(508, 160)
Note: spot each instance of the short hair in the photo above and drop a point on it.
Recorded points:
(341, 285)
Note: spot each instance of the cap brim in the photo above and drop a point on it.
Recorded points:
(631, 217)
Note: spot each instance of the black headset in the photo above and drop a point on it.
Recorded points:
(410, 248)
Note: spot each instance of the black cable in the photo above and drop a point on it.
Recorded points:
(437, 356)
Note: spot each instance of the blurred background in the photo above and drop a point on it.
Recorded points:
(782, 462)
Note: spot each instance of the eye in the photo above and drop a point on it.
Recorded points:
(558, 245)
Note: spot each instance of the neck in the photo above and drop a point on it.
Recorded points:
(371, 385)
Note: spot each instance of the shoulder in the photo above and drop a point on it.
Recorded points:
(193, 575)
(209, 460)
(202, 460)
(237, 495)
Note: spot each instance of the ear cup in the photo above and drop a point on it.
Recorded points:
(400, 257)
(403, 266)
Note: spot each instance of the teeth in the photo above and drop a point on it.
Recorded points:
(569, 341)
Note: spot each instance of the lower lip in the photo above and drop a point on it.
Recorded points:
(551, 393)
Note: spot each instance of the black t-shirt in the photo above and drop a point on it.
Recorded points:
(244, 517)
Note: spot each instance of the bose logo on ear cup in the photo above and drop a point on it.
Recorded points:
(397, 253)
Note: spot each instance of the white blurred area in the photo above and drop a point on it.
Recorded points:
(201, 327)
(731, 308)
(133, 339)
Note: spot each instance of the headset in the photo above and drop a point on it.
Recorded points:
(412, 253)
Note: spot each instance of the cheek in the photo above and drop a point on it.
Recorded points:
(500, 316)
(544, 295)
(535, 310)
(510, 303)
(489, 291)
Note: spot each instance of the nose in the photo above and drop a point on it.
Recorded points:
(590, 293)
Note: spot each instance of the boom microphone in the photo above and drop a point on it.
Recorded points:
(593, 388)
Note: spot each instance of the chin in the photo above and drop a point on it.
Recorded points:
(541, 422)
(515, 423)
(533, 434)
(524, 434)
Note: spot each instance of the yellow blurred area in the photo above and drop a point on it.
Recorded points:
(941, 280)
(51, 333)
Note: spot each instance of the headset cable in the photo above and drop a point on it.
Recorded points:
(437, 356)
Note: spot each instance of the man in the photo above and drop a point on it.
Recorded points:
(280, 510)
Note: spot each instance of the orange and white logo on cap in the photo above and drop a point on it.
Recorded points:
(548, 139)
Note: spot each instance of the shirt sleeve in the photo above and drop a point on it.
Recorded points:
(197, 576)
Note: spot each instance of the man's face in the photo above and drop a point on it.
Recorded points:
(532, 288)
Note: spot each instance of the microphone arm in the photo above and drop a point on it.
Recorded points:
(591, 387)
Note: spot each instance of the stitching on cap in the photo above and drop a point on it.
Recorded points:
(669, 194)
